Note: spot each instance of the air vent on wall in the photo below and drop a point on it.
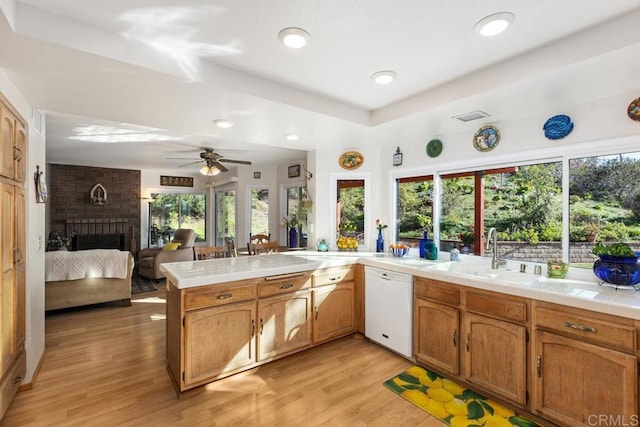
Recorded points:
(474, 115)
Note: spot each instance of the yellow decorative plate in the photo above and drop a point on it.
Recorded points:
(351, 160)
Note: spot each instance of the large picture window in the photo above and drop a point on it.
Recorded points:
(414, 208)
(260, 211)
(604, 204)
(170, 211)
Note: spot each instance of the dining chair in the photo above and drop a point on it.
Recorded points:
(209, 252)
(231, 247)
(263, 248)
(258, 238)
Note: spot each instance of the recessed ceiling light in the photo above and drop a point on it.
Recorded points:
(494, 24)
(292, 136)
(294, 37)
(223, 123)
(384, 77)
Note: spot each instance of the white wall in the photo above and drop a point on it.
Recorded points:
(598, 127)
(35, 232)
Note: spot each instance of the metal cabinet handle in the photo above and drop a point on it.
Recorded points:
(16, 381)
(579, 327)
(261, 326)
(288, 286)
(282, 276)
(468, 338)
(334, 279)
(17, 153)
(223, 296)
(539, 365)
(455, 337)
(316, 309)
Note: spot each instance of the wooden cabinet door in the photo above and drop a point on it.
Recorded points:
(218, 340)
(333, 307)
(7, 142)
(575, 382)
(495, 356)
(8, 344)
(284, 324)
(436, 335)
(20, 152)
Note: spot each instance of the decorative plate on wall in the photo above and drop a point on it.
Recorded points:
(557, 127)
(434, 148)
(486, 138)
(634, 110)
(351, 160)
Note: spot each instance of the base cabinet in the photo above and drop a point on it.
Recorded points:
(436, 335)
(218, 330)
(333, 307)
(495, 356)
(218, 340)
(284, 324)
(577, 383)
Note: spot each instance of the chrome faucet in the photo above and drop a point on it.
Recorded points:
(495, 261)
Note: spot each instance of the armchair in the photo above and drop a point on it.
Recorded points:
(150, 258)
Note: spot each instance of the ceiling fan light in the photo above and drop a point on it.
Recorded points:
(294, 38)
(223, 123)
(209, 170)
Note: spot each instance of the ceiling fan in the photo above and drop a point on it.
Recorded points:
(213, 162)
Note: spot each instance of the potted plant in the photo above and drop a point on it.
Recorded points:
(591, 230)
(59, 242)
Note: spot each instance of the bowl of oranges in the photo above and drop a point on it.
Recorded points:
(398, 249)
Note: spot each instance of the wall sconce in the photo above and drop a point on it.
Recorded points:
(98, 194)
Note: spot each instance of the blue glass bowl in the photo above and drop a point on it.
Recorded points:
(619, 271)
(399, 252)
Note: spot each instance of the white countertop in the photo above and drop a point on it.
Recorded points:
(581, 293)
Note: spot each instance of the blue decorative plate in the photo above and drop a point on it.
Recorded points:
(557, 127)
(486, 138)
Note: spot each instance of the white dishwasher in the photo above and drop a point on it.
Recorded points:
(389, 309)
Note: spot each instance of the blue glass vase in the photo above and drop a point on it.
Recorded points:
(293, 238)
(380, 242)
(619, 271)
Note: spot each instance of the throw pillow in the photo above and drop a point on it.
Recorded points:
(171, 246)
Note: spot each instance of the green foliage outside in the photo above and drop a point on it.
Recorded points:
(260, 211)
(170, 211)
(352, 211)
(526, 205)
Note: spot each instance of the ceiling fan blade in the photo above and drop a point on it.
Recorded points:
(221, 167)
(180, 158)
(190, 163)
(240, 162)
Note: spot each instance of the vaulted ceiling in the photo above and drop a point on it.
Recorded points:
(129, 83)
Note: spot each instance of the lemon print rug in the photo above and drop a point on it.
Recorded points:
(452, 403)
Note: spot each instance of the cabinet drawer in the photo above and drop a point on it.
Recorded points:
(576, 323)
(284, 283)
(333, 275)
(13, 379)
(214, 295)
(436, 291)
(506, 308)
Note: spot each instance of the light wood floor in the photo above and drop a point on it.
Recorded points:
(105, 366)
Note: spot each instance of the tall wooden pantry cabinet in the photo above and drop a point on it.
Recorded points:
(13, 144)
